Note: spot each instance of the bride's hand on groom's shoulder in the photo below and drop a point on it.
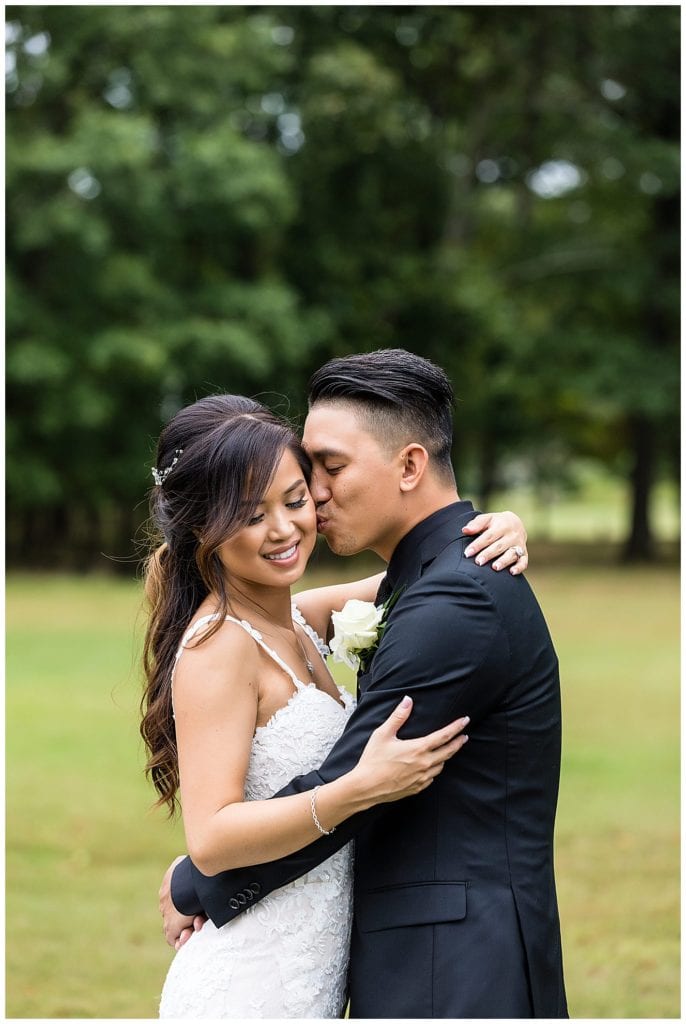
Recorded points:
(391, 768)
(499, 535)
(177, 927)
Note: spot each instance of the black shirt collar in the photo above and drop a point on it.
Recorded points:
(426, 540)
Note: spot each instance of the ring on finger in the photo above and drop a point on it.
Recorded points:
(518, 550)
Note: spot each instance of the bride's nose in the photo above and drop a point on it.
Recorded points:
(280, 525)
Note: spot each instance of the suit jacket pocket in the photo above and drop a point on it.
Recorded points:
(402, 905)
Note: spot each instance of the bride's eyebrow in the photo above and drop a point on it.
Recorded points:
(297, 483)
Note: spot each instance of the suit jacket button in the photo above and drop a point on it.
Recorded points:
(240, 896)
(249, 894)
(256, 888)
(233, 903)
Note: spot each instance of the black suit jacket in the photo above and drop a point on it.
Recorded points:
(455, 904)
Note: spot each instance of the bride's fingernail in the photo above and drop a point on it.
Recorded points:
(469, 552)
(479, 561)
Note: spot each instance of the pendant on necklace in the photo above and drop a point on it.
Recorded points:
(308, 663)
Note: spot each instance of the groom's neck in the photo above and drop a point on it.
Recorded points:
(416, 508)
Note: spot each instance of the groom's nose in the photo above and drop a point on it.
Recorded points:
(318, 489)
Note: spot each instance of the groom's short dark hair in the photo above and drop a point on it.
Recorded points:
(401, 397)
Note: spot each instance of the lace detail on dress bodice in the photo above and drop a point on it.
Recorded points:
(287, 955)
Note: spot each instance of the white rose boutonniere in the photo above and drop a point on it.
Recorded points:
(357, 630)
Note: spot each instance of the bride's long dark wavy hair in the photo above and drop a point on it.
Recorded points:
(216, 459)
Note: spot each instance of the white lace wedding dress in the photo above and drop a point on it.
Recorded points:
(286, 956)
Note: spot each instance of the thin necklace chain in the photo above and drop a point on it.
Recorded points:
(307, 662)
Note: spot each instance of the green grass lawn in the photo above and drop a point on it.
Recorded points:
(85, 854)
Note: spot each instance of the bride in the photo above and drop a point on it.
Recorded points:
(238, 700)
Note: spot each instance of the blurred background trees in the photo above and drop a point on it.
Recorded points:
(222, 198)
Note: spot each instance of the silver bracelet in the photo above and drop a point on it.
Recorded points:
(315, 819)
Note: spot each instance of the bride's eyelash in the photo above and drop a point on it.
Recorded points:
(300, 503)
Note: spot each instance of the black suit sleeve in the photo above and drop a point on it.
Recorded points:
(444, 646)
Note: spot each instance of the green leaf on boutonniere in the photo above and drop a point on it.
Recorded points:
(365, 656)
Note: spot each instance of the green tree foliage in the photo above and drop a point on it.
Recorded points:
(220, 198)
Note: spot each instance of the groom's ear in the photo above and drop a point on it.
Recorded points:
(415, 459)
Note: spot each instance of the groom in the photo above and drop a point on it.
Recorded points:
(455, 905)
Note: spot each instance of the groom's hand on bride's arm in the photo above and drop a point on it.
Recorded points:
(499, 535)
(177, 927)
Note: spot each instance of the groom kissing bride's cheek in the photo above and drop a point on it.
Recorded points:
(447, 907)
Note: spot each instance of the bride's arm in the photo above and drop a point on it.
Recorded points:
(215, 700)
(496, 535)
(317, 604)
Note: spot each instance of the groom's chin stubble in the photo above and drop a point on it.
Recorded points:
(342, 545)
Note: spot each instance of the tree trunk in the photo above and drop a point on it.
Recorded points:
(661, 329)
(640, 544)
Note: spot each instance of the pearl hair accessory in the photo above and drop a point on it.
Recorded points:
(159, 476)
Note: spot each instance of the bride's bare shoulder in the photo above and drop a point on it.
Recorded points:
(217, 649)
